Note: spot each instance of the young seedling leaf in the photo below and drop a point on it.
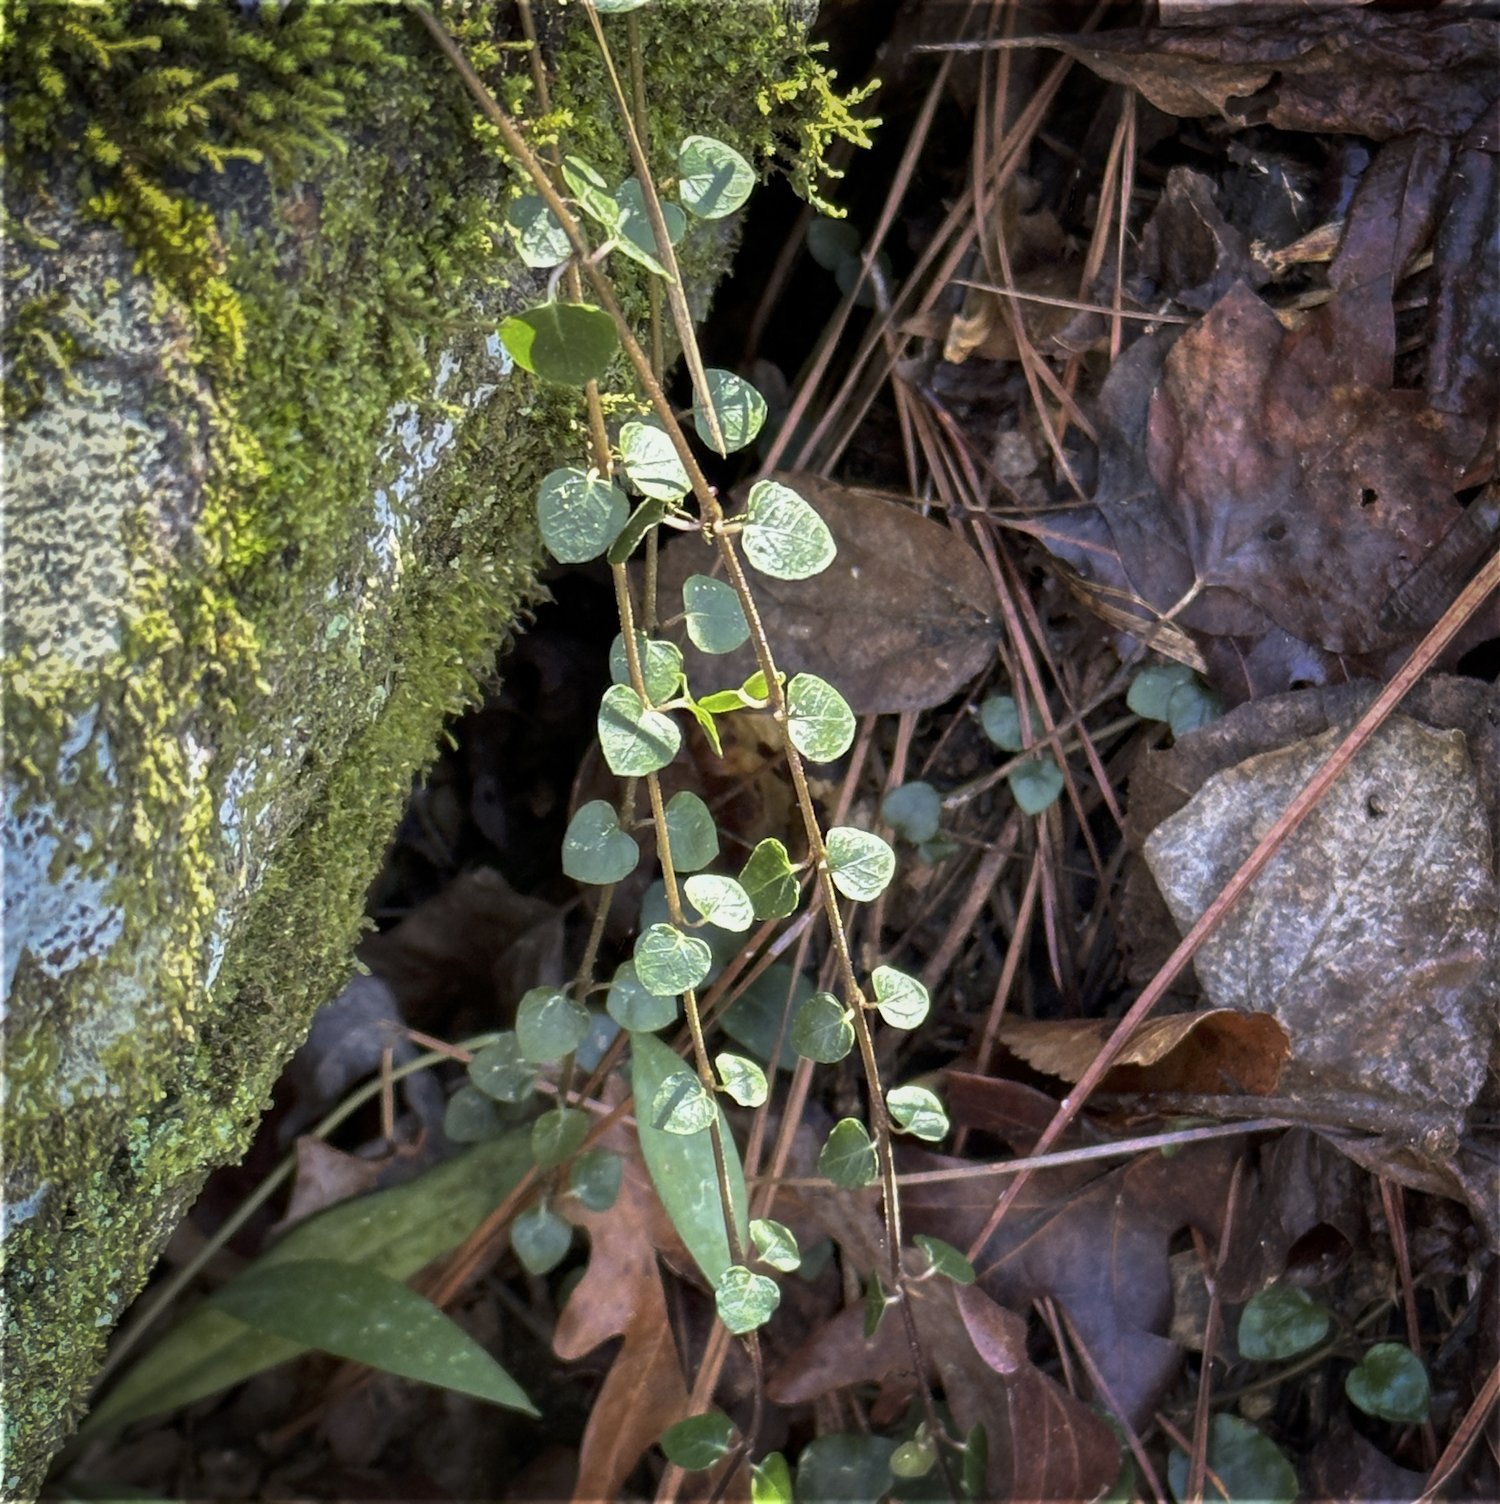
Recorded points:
(902, 1000)
(588, 187)
(740, 409)
(744, 1081)
(915, 1458)
(558, 1135)
(861, 864)
(914, 811)
(650, 461)
(1281, 1322)
(668, 962)
(769, 880)
(682, 1105)
(692, 836)
(713, 178)
(541, 1239)
(595, 1179)
(946, 1259)
(1391, 1382)
(1248, 1463)
(682, 1169)
(771, 1480)
(1035, 784)
(661, 665)
(541, 242)
(579, 513)
(819, 723)
(745, 1300)
(569, 343)
(848, 1157)
(595, 849)
(917, 1111)
(822, 1029)
(783, 536)
(775, 1244)
(715, 619)
(699, 1441)
(633, 1007)
(549, 1025)
(635, 741)
(1001, 718)
(500, 1073)
(360, 1314)
(721, 901)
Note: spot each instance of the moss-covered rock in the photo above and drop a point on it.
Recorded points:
(268, 519)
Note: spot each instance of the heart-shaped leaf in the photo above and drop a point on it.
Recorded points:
(595, 849)
(1035, 784)
(721, 901)
(819, 723)
(692, 836)
(848, 1157)
(861, 864)
(549, 1025)
(668, 962)
(740, 409)
(743, 1079)
(633, 1007)
(917, 1111)
(651, 462)
(569, 343)
(745, 1300)
(635, 741)
(540, 240)
(822, 1029)
(902, 1000)
(541, 1239)
(715, 619)
(769, 880)
(783, 536)
(682, 1105)
(914, 811)
(579, 514)
(661, 665)
(713, 178)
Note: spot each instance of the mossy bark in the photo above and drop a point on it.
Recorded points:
(269, 517)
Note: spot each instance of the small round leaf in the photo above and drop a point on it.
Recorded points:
(470, 1117)
(595, 849)
(692, 836)
(743, 1079)
(541, 241)
(557, 1135)
(635, 222)
(650, 461)
(822, 1029)
(915, 1458)
(668, 962)
(1281, 1322)
(1391, 1382)
(830, 241)
(715, 619)
(740, 409)
(860, 863)
(713, 178)
(541, 1239)
(848, 1157)
(818, 721)
(635, 1009)
(699, 1441)
(1152, 689)
(682, 1105)
(500, 1073)
(721, 901)
(744, 1299)
(775, 1244)
(768, 879)
(595, 1179)
(914, 811)
(579, 514)
(917, 1111)
(549, 1025)
(1248, 1463)
(1001, 718)
(946, 1259)
(635, 741)
(902, 1000)
(1035, 784)
(661, 665)
(569, 343)
(783, 536)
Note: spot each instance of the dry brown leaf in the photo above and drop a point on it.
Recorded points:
(1372, 933)
(902, 619)
(1216, 1051)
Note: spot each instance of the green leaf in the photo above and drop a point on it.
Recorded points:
(830, 241)
(721, 901)
(775, 1244)
(589, 188)
(822, 1030)
(783, 536)
(744, 1080)
(914, 811)
(1391, 1382)
(771, 1480)
(861, 864)
(394, 1232)
(917, 1111)
(579, 514)
(1035, 784)
(692, 836)
(915, 1458)
(635, 741)
(902, 1000)
(500, 1073)
(1001, 718)
(668, 962)
(650, 461)
(946, 1259)
(769, 880)
(976, 1462)
(706, 724)
(682, 1105)
(682, 1169)
(540, 240)
(1281, 1322)
(358, 1313)
(1250, 1465)
(595, 849)
(848, 1157)
(633, 1007)
(661, 664)
(549, 1025)
(745, 1300)
(541, 1239)
(617, 7)
(715, 619)
(845, 1469)
(595, 1179)
(1152, 688)
(470, 1117)
(634, 235)
(1191, 706)
(819, 723)
(740, 409)
(642, 520)
(569, 343)
(713, 179)
(699, 1441)
(557, 1135)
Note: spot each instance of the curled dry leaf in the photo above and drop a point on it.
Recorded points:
(1372, 934)
(1217, 1051)
(902, 619)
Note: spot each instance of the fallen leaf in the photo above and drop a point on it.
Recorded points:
(1216, 1051)
(901, 620)
(1189, 251)
(1371, 935)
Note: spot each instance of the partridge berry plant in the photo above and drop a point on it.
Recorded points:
(613, 503)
